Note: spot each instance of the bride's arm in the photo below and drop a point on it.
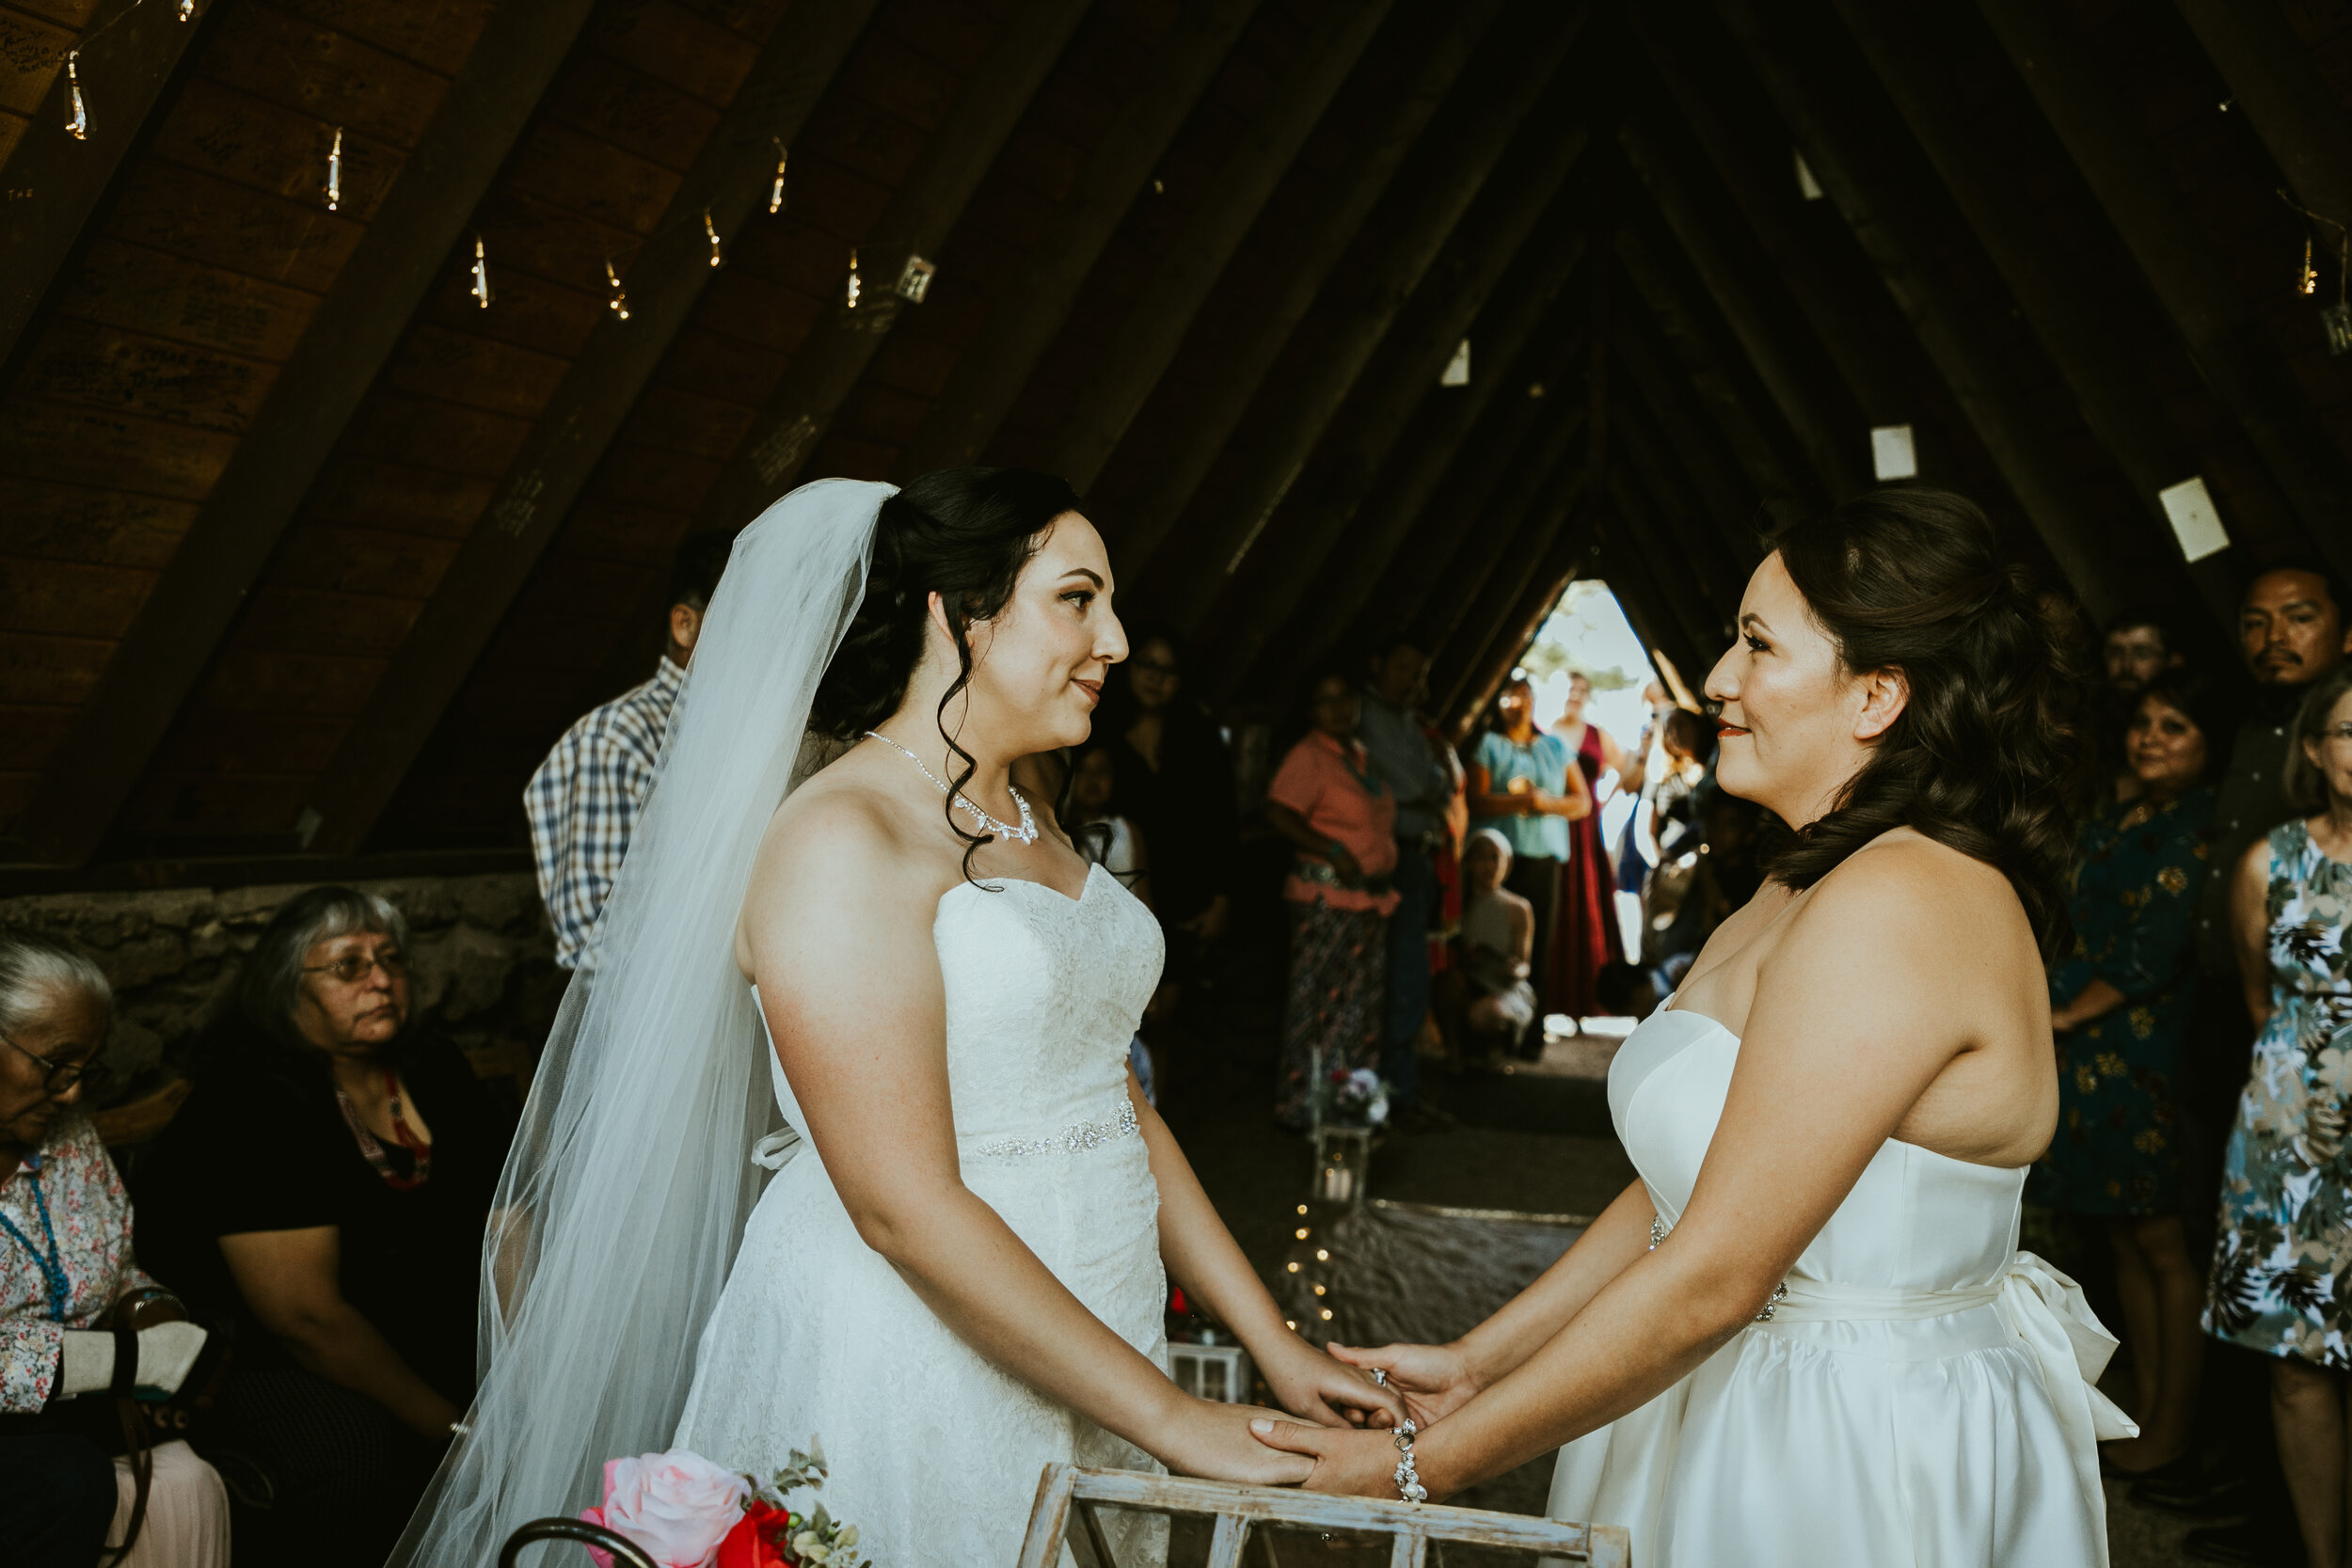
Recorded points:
(837, 928)
(1862, 1005)
(1203, 1258)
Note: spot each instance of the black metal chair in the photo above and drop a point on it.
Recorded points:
(560, 1529)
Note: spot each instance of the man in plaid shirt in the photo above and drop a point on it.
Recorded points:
(583, 800)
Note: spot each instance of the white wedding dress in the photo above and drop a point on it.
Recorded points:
(935, 1453)
(1922, 1394)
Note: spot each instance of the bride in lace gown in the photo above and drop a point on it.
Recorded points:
(913, 1004)
(1804, 1335)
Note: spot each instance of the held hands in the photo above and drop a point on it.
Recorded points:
(1359, 1464)
(1217, 1442)
(1316, 1387)
(1434, 1380)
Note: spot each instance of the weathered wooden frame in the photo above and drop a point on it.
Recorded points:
(1064, 1491)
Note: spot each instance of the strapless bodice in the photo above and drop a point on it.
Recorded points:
(1044, 993)
(1915, 1220)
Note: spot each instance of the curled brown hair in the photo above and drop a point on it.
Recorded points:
(1986, 755)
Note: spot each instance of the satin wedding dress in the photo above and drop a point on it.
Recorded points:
(1922, 1393)
(935, 1453)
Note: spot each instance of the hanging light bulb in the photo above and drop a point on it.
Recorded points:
(481, 290)
(776, 191)
(618, 304)
(854, 286)
(335, 171)
(76, 117)
(187, 10)
(2307, 282)
(717, 259)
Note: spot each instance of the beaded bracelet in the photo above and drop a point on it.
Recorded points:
(1409, 1484)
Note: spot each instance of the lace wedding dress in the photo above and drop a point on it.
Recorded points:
(1921, 1393)
(935, 1453)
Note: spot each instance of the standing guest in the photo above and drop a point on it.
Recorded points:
(1176, 785)
(65, 1264)
(1674, 806)
(1414, 768)
(326, 1187)
(2282, 1264)
(1102, 835)
(583, 800)
(2137, 648)
(1498, 945)
(1341, 819)
(2292, 631)
(2120, 1004)
(1586, 933)
(1523, 785)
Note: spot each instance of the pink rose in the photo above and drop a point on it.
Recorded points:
(677, 1505)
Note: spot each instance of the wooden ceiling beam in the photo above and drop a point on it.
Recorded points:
(1437, 197)
(358, 325)
(1532, 492)
(1457, 506)
(1529, 537)
(1832, 437)
(1628, 576)
(989, 374)
(1485, 670)
(1718, 576)
(54, 184)
(1506, 365)
(1895, 239)
(1662, 546)
(1400, 378)
(1665, 314)
(1762, 183)
(2225, 336)
(1734, 506)
(1163, 313)
(921, 214)
(2277, 81)
(1250, 347)
(2072, 320)
(729, 181)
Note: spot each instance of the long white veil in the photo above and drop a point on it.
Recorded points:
(629, 1181)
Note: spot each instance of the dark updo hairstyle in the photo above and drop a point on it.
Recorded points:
(1985, 757)
(964, 534)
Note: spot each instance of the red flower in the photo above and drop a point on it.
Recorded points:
(762, 1539)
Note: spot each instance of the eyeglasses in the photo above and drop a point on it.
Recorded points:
(60, 1077)
(352, 968)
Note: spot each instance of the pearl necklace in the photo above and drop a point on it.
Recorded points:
(1027, 832)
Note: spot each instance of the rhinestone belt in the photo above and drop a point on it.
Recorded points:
(1075, 1139)
(1659, 1230)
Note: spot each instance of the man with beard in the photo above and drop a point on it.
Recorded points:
(2292, 630)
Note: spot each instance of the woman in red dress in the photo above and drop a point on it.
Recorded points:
(1584, 934)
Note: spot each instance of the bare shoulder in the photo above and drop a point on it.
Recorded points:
(1908, 886)
(836, 866)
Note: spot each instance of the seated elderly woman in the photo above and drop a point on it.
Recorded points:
(327, 1187)
(65, 1269)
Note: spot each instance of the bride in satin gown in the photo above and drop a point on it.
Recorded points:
(1806, 1335)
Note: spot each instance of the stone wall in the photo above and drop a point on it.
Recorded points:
(481, 964)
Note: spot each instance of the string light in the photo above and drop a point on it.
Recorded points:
(717, 259)
(854, 286)
(481, 290)
(2307, 282)
(1302, 1233)
(776, 191)
(618, 304)
(187, 10)
(76, 117)
(1302, 1208)
(335, 171)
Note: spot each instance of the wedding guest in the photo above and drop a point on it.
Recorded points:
(2120, 1003)
(1674, 807)
(1586, 932)
(327, 1187)
(1340, 821)
(66, 1262)
(1418, 771)
(1498, 945)
(583, 800)
(1176, 785)
(1523, 785)
(2292, 631)
(2139, 647)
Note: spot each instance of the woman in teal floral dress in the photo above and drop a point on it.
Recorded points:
(2118, 1007)
(2282, 1264)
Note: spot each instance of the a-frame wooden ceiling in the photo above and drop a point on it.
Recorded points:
(306, 554)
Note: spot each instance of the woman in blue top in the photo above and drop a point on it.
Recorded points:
(1525, 784)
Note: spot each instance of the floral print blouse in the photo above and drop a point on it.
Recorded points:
(90, 1215)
